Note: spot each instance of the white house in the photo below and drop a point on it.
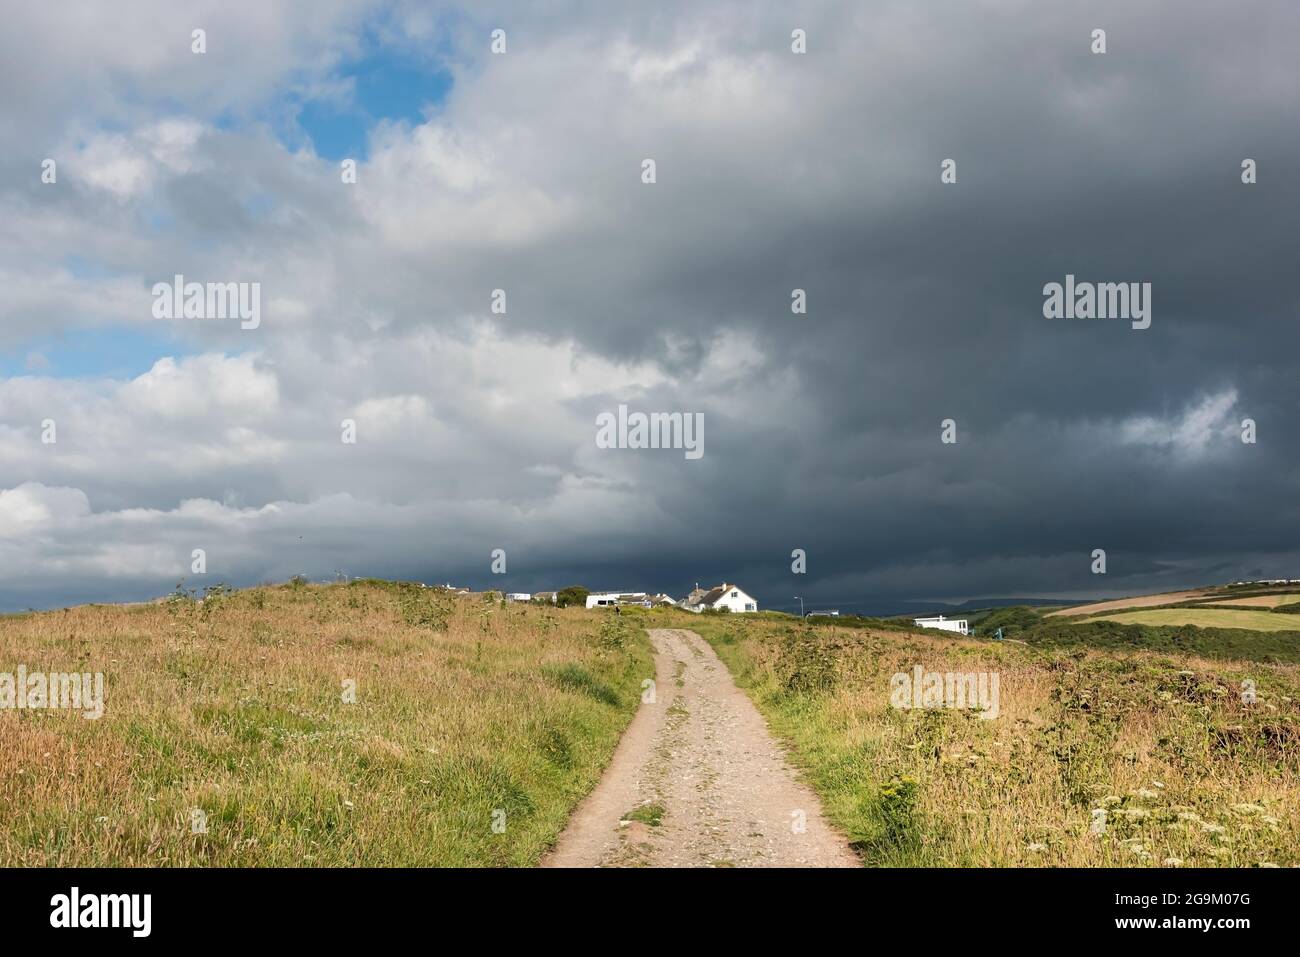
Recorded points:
(943, 624)
(722, 597)
(519, 596)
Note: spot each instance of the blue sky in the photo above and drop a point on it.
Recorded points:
(385, 86)
(119, 352)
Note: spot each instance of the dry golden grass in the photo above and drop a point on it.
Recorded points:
(1140, 601)
(1185, 771)
(234, 706)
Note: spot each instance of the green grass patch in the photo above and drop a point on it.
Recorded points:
(574, 677)
(650, 814)
(1249, 619)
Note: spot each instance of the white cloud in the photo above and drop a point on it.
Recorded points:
(31, 508)
(210, 387)
(1203, 426)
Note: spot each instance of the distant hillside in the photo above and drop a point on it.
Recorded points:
(919, 608)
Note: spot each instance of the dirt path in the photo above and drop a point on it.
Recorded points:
(701, 762)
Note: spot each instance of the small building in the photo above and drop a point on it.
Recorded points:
(943, 624)
(608, 599)
(519, 596)
(693, 599)
(547, 597)
(722, 597)
(827, 612)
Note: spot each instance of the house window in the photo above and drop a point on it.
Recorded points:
(749, 606)
(735, 594)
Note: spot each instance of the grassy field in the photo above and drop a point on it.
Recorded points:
(1119, 604)
(1185, 771)
(1203, 617)
(234, 706)
(1280, 645)
(1259, 601)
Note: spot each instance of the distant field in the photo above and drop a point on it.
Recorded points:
(1141, 601)
(1259, 601)
(1205, 617)
(468, 713)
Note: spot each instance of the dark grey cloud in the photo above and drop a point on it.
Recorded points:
(775, 171)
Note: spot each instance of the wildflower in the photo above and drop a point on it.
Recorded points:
(1145, 793)
(1266, 864)
(1213, 828)
(1248, 809)
(1111, 799)
(1188, 816)
(1037, 847)
(1172, 862)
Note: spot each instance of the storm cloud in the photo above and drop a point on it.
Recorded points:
(775, 171)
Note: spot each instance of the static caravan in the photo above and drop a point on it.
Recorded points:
(943, 624)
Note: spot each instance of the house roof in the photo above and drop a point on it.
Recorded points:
(713, 594)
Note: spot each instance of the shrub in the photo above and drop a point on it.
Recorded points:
(573, 595)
